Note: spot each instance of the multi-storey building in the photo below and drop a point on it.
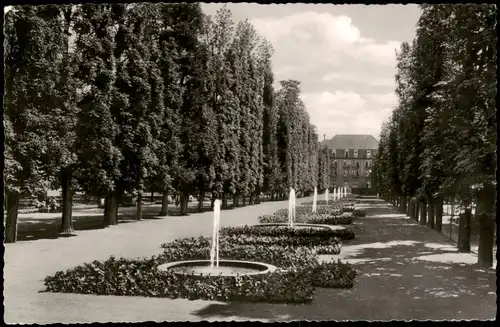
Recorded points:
(351, 160)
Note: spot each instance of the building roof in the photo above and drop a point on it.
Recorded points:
(353, 141)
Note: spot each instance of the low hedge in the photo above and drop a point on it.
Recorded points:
(359, 213)
(294, 282)
(309, 219)
(279, 256)
(303, 236)
(142, 278)
(334, 275)
(325, 274)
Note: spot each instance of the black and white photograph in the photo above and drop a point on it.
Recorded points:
(188, 162)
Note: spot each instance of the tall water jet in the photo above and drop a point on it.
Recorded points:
(214, 251)
(291, 208)
(315, 199)
(326, 196)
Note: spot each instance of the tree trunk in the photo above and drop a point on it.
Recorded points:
(201, 198)
(224, 201)
(404, 204)
(417, 209)
(11, 219)
(464, 230)
(111, 209)
(430, 213)
(138, 213)
(250, 201)
(67, 205)
(236, 201)
(438, 214)
(184, 203)
(423, 213)
(164, 204)
(485, 213)
(152, 197)
(408, 205)
(257, 196)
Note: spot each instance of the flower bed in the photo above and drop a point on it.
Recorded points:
(305, 236)
(242, 247)
(300, 270)
(309, 219)
(359, 213)
(142, 278)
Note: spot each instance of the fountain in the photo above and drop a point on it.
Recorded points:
(334, 194)
(215, 266)
(315, 199)
(291, 208)
(291, 217)
(326, 196)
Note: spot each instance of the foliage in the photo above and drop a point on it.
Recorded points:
(142, 278)
(299, 270)
(309, 235)
(311, 219)
(441, 138)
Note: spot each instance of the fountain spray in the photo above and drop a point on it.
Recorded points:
(315, 198)
(291, 208)
(214, 251)
(326, 196)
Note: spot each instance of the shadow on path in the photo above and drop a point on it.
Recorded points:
(394, 281)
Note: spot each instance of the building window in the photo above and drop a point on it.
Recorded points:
(355, 153)
(347, 153)
(357, 164)
(368, 184)
(333, 153)
(335, 163)
(367, 173)
(355, 184)
(357, 173)
(368, 153)
(346, 173)
(368, 164)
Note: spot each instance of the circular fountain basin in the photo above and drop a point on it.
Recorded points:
(302, 226)
(226, 268)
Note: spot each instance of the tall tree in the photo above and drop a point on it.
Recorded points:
(98, 154)
(32, 60)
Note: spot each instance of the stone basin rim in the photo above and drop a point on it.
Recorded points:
(266, 268)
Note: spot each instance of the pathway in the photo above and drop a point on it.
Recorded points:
(401, 275)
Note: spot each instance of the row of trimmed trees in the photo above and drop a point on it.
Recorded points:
(440, 143)
(117, 99)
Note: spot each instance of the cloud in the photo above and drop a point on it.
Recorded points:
(358, 78)
(348, 112)
(347, 78)
(324, 36)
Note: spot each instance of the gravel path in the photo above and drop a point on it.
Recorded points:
(396, 281)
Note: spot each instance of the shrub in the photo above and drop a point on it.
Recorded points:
(142, 278)
(334, 275)
(308, 236)
(310, 219)
(277, 255)
(359, 213)
(329, 274)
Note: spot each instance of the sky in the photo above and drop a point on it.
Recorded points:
(343, 55)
